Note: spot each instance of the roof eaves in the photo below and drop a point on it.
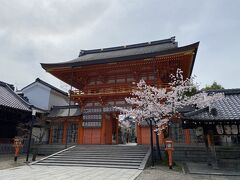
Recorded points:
(28, 106)
(70, 64)
(51, 86)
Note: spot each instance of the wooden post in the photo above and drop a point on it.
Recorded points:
(80, 131)
(116, 131)
(209, 139)
(50, 135)
(64, 139)
(161, 138)
(103, 129)
(187, 136)
(139, 134)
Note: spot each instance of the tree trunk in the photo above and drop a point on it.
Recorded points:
(158, 147)
(151, 139)
(207, 147)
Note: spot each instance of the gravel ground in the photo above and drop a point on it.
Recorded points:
(7, 160)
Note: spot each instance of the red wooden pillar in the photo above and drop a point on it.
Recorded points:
(64, 139)
(209, 139)
(139, 134)
(187, 136)
(103, 129)
(116, 131)
(80, 132)
(161, 138)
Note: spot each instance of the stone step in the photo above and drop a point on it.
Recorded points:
(113, 149)
(103, 156)
(109, 150)
(89, 165)
(99, 157)
(122, 153)
(94, 160)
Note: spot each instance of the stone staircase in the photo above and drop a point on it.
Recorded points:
(112, 156)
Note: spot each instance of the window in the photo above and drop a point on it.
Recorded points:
(151, 77)
(72, 133)
(120, 80)
(57, 135)
(120, 102)
(111, 81)
(130, 79)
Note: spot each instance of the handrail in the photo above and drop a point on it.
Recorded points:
(116, 89)
(102, 91)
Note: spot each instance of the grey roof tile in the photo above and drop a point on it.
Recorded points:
(227, 109)
(8, 98)
(124, 53)
(62, 111)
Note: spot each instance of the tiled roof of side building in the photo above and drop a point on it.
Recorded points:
(8, 98)
(124, 53)
(226, 109)
(48, 85)
(64, 111)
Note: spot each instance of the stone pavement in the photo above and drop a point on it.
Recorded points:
(163, 173)
(203, 168)
(36, 172)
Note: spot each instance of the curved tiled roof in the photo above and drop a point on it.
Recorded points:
(64, 111)
(8, 98)
(124, 53)
(226, 109)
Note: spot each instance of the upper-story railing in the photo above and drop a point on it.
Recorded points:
(113, 90)
(107, 91)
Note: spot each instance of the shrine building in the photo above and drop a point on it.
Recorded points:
(102, 78)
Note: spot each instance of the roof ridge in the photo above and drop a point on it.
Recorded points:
(65, 106)
(130, 46)
(46, 84)
(51, 86)
(225, 91)
(196, 112)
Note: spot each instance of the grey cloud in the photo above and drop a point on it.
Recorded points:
(55, 30)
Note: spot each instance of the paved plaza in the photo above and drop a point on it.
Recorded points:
(20, 171)
(163, 173)
(37, 172)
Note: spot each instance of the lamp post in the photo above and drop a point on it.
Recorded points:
(69, 108)
(169, 149)
(30, 134)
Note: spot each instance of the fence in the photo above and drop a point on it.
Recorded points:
(8, 148)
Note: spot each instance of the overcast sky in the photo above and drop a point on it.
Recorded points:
(33, 31)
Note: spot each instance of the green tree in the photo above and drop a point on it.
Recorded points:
(214, 86)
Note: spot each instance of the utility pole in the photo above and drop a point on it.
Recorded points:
(30, 134)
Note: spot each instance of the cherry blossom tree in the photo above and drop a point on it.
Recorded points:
(161, 104)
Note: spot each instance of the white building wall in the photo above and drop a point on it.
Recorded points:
(38, 95)
(57, 99)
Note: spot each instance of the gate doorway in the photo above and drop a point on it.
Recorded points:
(127, 130)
